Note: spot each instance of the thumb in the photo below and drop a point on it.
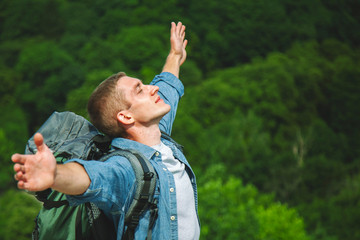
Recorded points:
(39, 141)
(185, 43)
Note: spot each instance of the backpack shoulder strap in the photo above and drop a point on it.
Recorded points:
(143, 199)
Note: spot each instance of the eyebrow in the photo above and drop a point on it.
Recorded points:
(137, 85)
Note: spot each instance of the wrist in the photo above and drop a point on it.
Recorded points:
(56, 176)
(174, 56)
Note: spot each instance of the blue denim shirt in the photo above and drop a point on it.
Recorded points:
(113, 182)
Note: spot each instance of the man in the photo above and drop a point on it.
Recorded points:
(134, 114)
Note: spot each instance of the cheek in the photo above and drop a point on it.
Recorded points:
(141, 109)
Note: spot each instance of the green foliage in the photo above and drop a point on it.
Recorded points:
(78, 98)
(191, 74)
(19, 19)
(344, 19)
(6, 171)
(237, 140)
(230, 210)
(134, 46)
(13, 135)
(9, 79)
(79, 18)
(252, 28)
(345, 206)
(17, 210)
(282, 116)
(47, 75)
(274, 123)
(99, 55)
(336, 213)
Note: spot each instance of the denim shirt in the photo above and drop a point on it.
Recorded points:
(113, 182)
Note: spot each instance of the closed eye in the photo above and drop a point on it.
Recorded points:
(139, 88)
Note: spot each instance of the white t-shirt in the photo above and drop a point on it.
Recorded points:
(188, 225)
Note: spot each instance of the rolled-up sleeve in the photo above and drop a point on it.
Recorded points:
(171, 90)
(112, 182)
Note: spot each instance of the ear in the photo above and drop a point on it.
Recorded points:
(125, 117)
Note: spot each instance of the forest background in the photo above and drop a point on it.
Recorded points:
(270, 118)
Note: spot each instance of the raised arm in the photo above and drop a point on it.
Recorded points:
(177, 54)
(40, 171)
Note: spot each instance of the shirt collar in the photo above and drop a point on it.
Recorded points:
(127, 144)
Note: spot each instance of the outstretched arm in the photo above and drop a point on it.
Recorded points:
(40, 171)
(177, 55)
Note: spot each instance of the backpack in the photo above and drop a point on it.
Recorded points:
(71, 136)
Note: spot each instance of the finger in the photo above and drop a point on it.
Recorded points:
(18, 168)
(39, 141)
(19, 176)
(182, 31)
(185, 43)
(173, 28)
(178, 28)
(18, 158)
(21, 185)
(26, 186)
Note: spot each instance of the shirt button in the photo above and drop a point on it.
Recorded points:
(157, 154)
(172, 218)
(171, 189)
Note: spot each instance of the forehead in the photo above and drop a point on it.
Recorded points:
(128, 83)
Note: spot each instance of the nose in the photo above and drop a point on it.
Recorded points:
(153, 89)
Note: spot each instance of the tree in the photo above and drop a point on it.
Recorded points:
(136, 49)
(230, 210)
(48, 73)
(27, 18)
(17, 212)
(285, 123)
(77, 98)
(13, 135)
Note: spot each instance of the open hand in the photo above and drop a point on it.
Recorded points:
(35, 172)
(178, 41)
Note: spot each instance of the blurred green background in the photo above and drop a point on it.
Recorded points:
(270, 118)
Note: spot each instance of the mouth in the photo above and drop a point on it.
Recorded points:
(158, 99)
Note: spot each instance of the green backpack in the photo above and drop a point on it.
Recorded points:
(71, 136)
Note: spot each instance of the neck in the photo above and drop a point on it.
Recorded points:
(149, 135)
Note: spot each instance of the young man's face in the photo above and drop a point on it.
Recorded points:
(146, 105)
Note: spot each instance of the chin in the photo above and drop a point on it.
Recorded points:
(167, 109)
(164, 112)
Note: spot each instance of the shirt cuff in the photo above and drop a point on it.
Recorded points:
(91, 192)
